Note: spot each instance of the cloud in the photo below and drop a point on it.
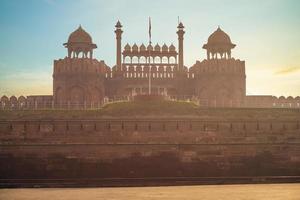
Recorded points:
(288, 70)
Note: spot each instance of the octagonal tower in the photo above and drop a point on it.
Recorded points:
(220, 79)
(78, 79)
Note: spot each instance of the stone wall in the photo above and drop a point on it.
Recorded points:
(172, 129)
(148, 148)
(269, 101)
(148, 160)
(78, 82)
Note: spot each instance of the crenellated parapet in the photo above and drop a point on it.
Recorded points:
(13, 102)
(79, 65)
(28, 102)
(269, 101)
(219, 66)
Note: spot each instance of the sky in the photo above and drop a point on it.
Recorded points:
(267, 35)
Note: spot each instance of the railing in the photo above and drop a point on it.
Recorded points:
(38, 105)
(201, 102)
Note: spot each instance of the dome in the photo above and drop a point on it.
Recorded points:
(149, 47)
(164, 48)
(219, 38)
(21, 98)
(180, 25)
(157, 47)
(118, 24)
(281, 98)
(135, 47)
(80, 44)
(4, 98)
(80, 36)
(142, 47)
(172, 48)
(127, 47)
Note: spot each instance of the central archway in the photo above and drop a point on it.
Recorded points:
(77, 96)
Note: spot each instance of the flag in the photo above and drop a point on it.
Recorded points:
(149, 30)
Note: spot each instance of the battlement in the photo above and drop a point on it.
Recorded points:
(222, 66)
(29, 102)
(272, 101)
(79, 65)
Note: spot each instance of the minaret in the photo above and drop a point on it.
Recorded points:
(118, 32)
(180, 34)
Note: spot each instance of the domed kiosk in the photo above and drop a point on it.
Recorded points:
(78, 79)
(219, 43)
(80, 42)
(221, 79)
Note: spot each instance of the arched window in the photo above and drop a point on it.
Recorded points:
(165, 60)
(135, 59)
(13, 102)
(172, 60)
(127, 59)
(143, 59)
(157, 59)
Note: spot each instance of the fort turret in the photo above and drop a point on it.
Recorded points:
(80, 42)
(78, 78)
(220, 79)
(218, 45)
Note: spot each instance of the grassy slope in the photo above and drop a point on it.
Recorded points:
(156, 109)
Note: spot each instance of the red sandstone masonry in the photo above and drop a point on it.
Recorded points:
(82, 82)
(39, 128)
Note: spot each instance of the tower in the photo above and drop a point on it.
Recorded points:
(180, 34)
(220, 79)
(118, 32)
(218, 43)
(78, 78)
(80, 42)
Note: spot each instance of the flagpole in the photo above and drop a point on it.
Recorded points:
(149, 85)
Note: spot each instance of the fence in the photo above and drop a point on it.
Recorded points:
(47, 103)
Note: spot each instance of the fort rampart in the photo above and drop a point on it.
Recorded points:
(37, 128)
(140, 148)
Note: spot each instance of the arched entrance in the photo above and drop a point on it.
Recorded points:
(77, 97)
